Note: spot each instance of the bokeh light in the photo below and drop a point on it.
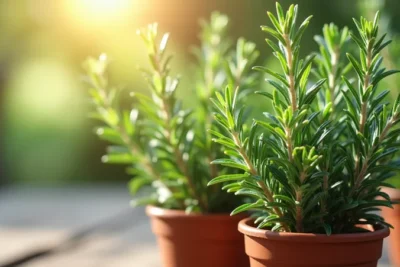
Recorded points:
(45, 88)
(96, 12)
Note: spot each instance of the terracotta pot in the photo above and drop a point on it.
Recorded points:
(392, 216)
(197, 240)
(273, 249)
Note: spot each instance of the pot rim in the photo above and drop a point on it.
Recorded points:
(154, 211)
(246, 228)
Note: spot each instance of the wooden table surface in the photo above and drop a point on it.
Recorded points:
(34, 218)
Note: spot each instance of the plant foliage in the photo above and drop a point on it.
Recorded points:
(332, 65)
(310, 166)
(166, 145)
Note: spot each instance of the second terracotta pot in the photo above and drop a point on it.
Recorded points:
(197, 240)
(392, 216)
(274, 249)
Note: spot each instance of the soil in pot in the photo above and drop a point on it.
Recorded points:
(197, 240)
(273, 249)
(392, 216)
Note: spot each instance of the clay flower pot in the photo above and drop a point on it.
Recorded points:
(392, 216)
(273, 249)
(197, 240)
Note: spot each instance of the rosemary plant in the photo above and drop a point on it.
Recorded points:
(305, 170)
(167, 145)
(219, 64)
(332, 65)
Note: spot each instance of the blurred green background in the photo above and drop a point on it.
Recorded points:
(46, 136)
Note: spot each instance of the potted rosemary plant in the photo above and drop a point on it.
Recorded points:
(168, 148)
(314, 167)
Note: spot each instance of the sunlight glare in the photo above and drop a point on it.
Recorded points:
(99, 11)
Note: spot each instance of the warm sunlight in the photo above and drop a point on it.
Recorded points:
(99, 11)
(104, 8)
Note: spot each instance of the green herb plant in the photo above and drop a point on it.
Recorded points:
(314, 166)
(332, 65)
(167, 146)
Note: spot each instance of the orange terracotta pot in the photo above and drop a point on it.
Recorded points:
(274, 249)
(392, 216)
(197, 240)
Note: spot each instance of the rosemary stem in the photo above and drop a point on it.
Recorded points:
(182, 166)
(254, 172)
(291, 78)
